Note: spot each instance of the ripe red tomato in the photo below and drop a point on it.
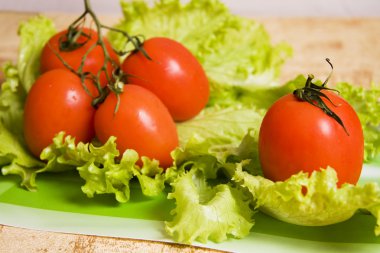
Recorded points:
(297, 136)
(142, 122)
(93, 62)
(173, 74)
(57, 102)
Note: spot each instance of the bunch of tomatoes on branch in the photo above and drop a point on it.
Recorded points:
(87, 91)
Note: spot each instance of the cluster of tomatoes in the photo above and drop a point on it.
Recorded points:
(165, 84)
(168, 86)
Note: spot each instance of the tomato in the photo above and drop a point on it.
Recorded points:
(57, 102)
(298, 136)
(93, 62)
(141, 122)
(173, 74)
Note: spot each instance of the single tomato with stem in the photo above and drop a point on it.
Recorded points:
(311, 129)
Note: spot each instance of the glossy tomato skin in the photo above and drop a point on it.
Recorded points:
(57, 102)
(173, 74)
(94, 60)
(297, 136)
(141, 123)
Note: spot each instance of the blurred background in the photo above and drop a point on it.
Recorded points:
(337, 8)
(346, 31)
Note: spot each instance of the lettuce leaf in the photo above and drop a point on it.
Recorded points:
(101, 168)
(375, 211)
(366, 102)
(221, 126)
(233, 50)
(14, 157)
(311, 201)
(208, 206)
(213, 138)
(12, 100)
(109, 178)
(205, 212)
(33, 36)
(260, 98)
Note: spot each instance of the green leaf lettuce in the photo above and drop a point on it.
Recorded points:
(206, 212)
(234, 51)
(313, 200)
(221, 126)
(366, 102)
(208, 205)
(14, 157)
(33, 36)
(101, 168)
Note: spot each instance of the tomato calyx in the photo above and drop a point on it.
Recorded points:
(69, 41)
(312, 93)
(116, 87)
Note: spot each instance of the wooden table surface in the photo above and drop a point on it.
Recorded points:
(353, 45)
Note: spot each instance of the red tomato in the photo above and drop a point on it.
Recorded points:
(173, 74)
(142, 122)
(297, 136)
(57, 102)
(93, 62)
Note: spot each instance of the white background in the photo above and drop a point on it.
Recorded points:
(336, 8)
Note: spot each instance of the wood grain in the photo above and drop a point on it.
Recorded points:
(19, 240)
(351, 44)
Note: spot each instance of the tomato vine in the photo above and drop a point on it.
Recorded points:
(69, 42)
